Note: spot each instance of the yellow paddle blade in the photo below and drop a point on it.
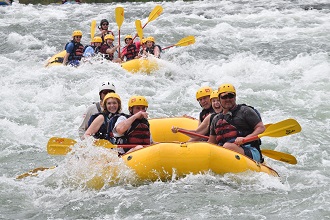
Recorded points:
(139, 29)
(104, 143)
(59, 146)
(34, 172)
(155, 13)
(276, 155)
(186, 41)
(119, 15)
(282, 128)
(93, 26)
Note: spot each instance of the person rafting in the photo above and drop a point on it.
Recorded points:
(93, 48)
(134, 128)
(104, 30)
(151, 47)
(99, 126)
(203, 98)
(74, 50)
(234, 123)
(108, 49)
(131, 50)
(96, 108)
(204, 127)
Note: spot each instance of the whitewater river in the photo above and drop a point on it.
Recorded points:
(276, 53)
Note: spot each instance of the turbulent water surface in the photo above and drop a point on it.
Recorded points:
(276, 53)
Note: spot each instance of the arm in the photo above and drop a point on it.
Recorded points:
(95, 126)
(126, 124)
(65, 59)
(203, 128)
(157, 52)
(212, 139)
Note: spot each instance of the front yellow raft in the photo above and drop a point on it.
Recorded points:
(141, 65)
(57, 59)
(162, 161)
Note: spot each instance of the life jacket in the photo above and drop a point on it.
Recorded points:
(111, 126)
(78, 51)
(131, 51)
(96, 49)
(106, 55)
(151, 50)
(139, 133)
(226, 129)
(102, 133)
(211, 118)
(204, 113)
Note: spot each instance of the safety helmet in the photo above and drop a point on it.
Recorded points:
(203, 91)
(76, 33)
(104, 21)
(214, 94)
(111, 95)
(107, 86)
(97, 40)
(128, 37)
(109, 36)
(137, 100)
(144, 40)
(226, 87)
(152, 39)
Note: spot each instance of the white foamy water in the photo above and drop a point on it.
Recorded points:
(275, 53)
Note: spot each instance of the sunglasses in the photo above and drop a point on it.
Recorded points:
(78, 36)
(105, 24)
(228, 96)
(107, 91)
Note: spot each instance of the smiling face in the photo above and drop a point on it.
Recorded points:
(205, 102)
(227, 100)
(112, 105)
(216, 105)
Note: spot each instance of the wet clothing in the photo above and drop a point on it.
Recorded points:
(75, 50)
(239, 122)
(130, 52)
(151, 50)
(103, 50)
(91, 50)
(204, 113)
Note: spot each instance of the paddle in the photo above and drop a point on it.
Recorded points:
(280, 156)
(139, 29)
(119, 14)
(34, 172)
(93, 26)
(152, 16)
(61, 146)
(183, 42)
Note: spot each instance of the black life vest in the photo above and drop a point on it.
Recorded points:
(226, 129)
(111, 126)
(102, 133)
(204, 113)
(151, 50)
(139, 133)
(77, 52)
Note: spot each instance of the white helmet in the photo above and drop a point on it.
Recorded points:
(107, 86)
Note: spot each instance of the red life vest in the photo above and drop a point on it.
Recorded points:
(225, 131)
(139, 133)
(131, 51)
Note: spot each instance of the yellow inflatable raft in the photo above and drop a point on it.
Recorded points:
(141, 65)
(162, 161)
(133, 66)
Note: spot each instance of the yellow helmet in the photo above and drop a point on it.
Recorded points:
(109, 36)
(97, 40)
(150, 38)
(137, 100)
(76, 33)
(128, 37)
(226, 87)
(111, 95)
(203, 91)
(144, 40)
(214, 94)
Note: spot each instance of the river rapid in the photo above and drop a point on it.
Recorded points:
(276, 53)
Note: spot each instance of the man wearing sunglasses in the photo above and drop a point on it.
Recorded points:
(105, 88)
(104, 29)
(74, 50)
(234, 123)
